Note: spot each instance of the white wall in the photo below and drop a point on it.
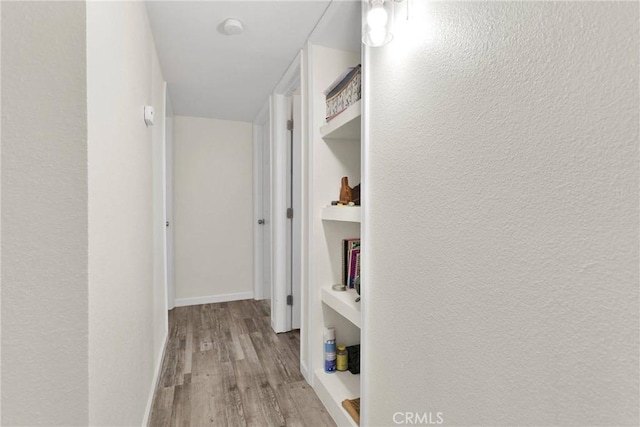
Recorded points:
(0, 218)
(44, 214)
(503, 216)
(127, 302)
(212, 210)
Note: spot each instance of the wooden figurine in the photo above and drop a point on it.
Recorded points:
(345, 191)
(355, 195)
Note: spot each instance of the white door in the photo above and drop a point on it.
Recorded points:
(294, 216)
(266, 211)
(169, 212)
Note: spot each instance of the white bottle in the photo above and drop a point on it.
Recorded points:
(329, 350)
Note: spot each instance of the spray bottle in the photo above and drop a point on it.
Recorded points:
(329, 350)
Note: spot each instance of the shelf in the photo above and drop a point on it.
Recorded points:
(344, 303)
(332, 389)
(345, 125)
(342, 213)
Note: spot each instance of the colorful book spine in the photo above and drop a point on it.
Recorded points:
(353, 267)
(349, 261)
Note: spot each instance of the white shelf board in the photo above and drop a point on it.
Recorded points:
(344, 303)
(332, 389)
(342, 213)
(345, 125)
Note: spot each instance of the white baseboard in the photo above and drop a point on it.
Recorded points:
(305, 373)
(154, 384)
(183, 302)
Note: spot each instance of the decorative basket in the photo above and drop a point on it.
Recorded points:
(344, 92)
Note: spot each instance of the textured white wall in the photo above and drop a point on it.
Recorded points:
(127, 304)
(503, 215)
(44, 214)
(213, 208)
(0, 215)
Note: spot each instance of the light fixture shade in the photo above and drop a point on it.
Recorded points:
(377, 26)
(377, 38)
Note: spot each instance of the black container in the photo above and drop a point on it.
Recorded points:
(354, 358)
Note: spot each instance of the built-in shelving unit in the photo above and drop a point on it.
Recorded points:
(342, 213)
(340, 145)
(345, 125)
(335, 151)
(344, 303)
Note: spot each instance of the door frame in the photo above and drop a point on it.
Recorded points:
(275, 111)
(280, 108)
(297, 190)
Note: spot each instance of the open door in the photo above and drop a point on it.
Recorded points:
(265, 289)
(169, 272)
(294, 205)
(286, 199)
(262, 204)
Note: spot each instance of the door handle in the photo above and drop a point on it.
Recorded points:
(261, 221)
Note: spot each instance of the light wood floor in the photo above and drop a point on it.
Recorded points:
(224, 366)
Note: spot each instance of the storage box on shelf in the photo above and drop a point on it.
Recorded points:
(344, 92)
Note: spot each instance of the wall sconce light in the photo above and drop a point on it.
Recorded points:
(377, 31)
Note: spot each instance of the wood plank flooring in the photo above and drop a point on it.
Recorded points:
(224, 366)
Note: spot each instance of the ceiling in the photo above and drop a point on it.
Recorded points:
(210, 74)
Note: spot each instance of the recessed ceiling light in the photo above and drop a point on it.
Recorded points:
(232, 27)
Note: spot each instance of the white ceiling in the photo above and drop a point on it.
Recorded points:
(210, 74)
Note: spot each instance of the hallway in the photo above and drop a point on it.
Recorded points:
(225, 366)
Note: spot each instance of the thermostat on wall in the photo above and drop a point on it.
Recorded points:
(148, 115)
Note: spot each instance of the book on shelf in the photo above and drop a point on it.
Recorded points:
(354, 264)
(356, 273)
(352, 406)
(348, 246)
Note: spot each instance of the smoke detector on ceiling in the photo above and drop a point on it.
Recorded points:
(232, 27)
